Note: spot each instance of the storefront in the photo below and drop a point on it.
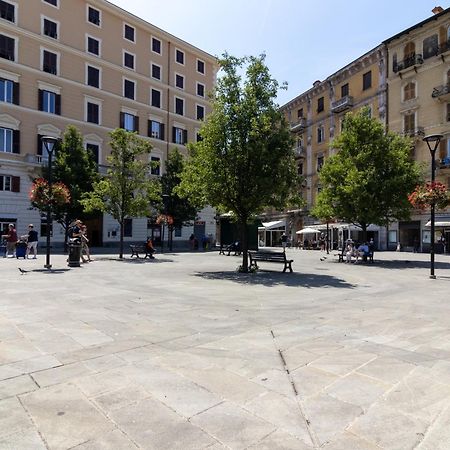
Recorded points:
(441, 236)
(269, 234)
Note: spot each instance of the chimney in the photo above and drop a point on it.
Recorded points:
(437, 10)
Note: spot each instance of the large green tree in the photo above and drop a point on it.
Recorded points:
(126, 190)
(245, 161)
(369, 178)
(75, 167)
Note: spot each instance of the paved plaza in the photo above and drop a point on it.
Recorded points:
(184, 353)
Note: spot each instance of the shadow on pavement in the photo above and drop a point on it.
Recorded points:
(156, 260)
(267, 278)
(51, 271)
(405, 264)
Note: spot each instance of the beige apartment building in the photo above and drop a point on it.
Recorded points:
(316, 117)
(419, 105)
(98, 67)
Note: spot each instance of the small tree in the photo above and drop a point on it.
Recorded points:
(126, 190)
(370, 177)
(245, 161)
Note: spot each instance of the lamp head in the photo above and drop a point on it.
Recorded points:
(49, 142)
(432, 141)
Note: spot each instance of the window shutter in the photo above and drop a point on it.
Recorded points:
(1, 183)
(184, 137)
(174, 135)
(136, 124)
(122, 120)
(41, 100)
(58, 104)
(16, 141)
(443, 149)
(161, 131)
(149, 128)
(16, 94)
(39, 144)
(15, 184)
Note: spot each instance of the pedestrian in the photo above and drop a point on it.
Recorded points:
(284, 241)
(85, 245)
(350, 250)
(32, 241)
(416, 245)
(149, 247)
(11, 241)
(192, 241)
(322, 242)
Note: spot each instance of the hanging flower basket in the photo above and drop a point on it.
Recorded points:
(428, 194)
(40, 194)
(165, 219)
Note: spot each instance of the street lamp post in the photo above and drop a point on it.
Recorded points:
(432, 141)
(164, 199)
(49, 144)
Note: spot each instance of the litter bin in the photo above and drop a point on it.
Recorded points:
(21, 249)
(74, 252)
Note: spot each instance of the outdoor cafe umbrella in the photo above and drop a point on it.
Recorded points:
(307, 231)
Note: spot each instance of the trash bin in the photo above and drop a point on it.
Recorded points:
(74, 252)
(21, 249)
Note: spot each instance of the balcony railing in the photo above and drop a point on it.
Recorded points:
(441, 92)
(299, 151)
(102, 169)
(299, 125)
(342, 104)
(411, 61)
(415, 133)
(37, 159)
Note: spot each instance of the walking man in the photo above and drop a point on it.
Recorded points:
(11, 240)
(32, 241)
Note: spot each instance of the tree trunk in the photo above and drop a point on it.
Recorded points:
(170, 238)
(364, 232)
(387, 234)
(66, 234)
(122, 226)
(244, 244)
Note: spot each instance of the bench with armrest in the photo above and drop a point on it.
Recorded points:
(141, 249)
(367, 256)
(274, 257)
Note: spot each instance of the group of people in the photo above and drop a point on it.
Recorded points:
(30, 239)
(78, 230)
(357, 252)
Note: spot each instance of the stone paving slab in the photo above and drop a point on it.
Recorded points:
(182, 352)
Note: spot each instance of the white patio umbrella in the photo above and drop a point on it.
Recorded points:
(307, 231)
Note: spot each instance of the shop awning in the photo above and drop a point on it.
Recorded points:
(443, 221)
(274, 224)
(353, 227)
(307, 231)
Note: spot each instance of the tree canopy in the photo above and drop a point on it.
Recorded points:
(245, 161)
(369, 178)
(127, 190)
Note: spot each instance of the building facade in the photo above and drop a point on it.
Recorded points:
(98, 67)
(419, 105)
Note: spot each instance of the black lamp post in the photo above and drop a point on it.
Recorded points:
(432, 141)
(49, 144)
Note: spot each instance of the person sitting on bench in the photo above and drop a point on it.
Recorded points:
(149, 248)
(362, 252)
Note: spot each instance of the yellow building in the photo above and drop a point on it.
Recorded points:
(98, 67)
(419, 105)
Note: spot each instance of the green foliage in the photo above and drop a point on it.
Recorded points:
(245, 160)
(368, 180)
(126, 190)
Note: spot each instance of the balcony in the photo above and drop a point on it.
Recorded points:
(442, 92)
(410, 62)
(416, 133)
(38, 160)
(342, 104)
(102, 169)
(299, 126)
(300, 151)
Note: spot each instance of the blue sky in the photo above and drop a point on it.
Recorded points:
(304, 40)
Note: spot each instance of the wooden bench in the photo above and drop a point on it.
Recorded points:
(366, 257)
(137, 249)
(274, 257)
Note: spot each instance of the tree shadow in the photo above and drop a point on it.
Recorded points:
(156, 260)
(270, 279)
(405, 264)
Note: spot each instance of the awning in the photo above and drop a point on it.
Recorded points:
(443, 221)
(307, 231)
(274, 224)
(353, 227)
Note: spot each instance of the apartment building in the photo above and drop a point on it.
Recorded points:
(419, 105)
(98, 67)
(316, 118)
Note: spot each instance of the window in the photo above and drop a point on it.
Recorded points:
(344, 90)
(128, 32)
(156, 45)
(93, 113)
(9, 140)
(129, 122)
(320, 134)
(430, 46)
(448, 113)
(49, 62)
(128, 60)
(93, 77)
(200, 112)
(156, 98)
(179, 56)
(156, 71)
(409, 123)
(129, 89)
(198, 137)
(409, 50)
(179, 136)
(93, 46)
(179, 106)
(367, 80)
(200, 89)
(93, 16)
(52, 2)
(49, 102)
(320, 104)
(179, 81)
(300, 168)
(409, 91)
(200, 66)
(7, 11)
(7, 47)
(50, 28)
(299, 113)
(128, 228)
(9, 91)
(156, 129)
(94, 150)
(9, 183)
(178, 231)
(320, 161)
(155, 165)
